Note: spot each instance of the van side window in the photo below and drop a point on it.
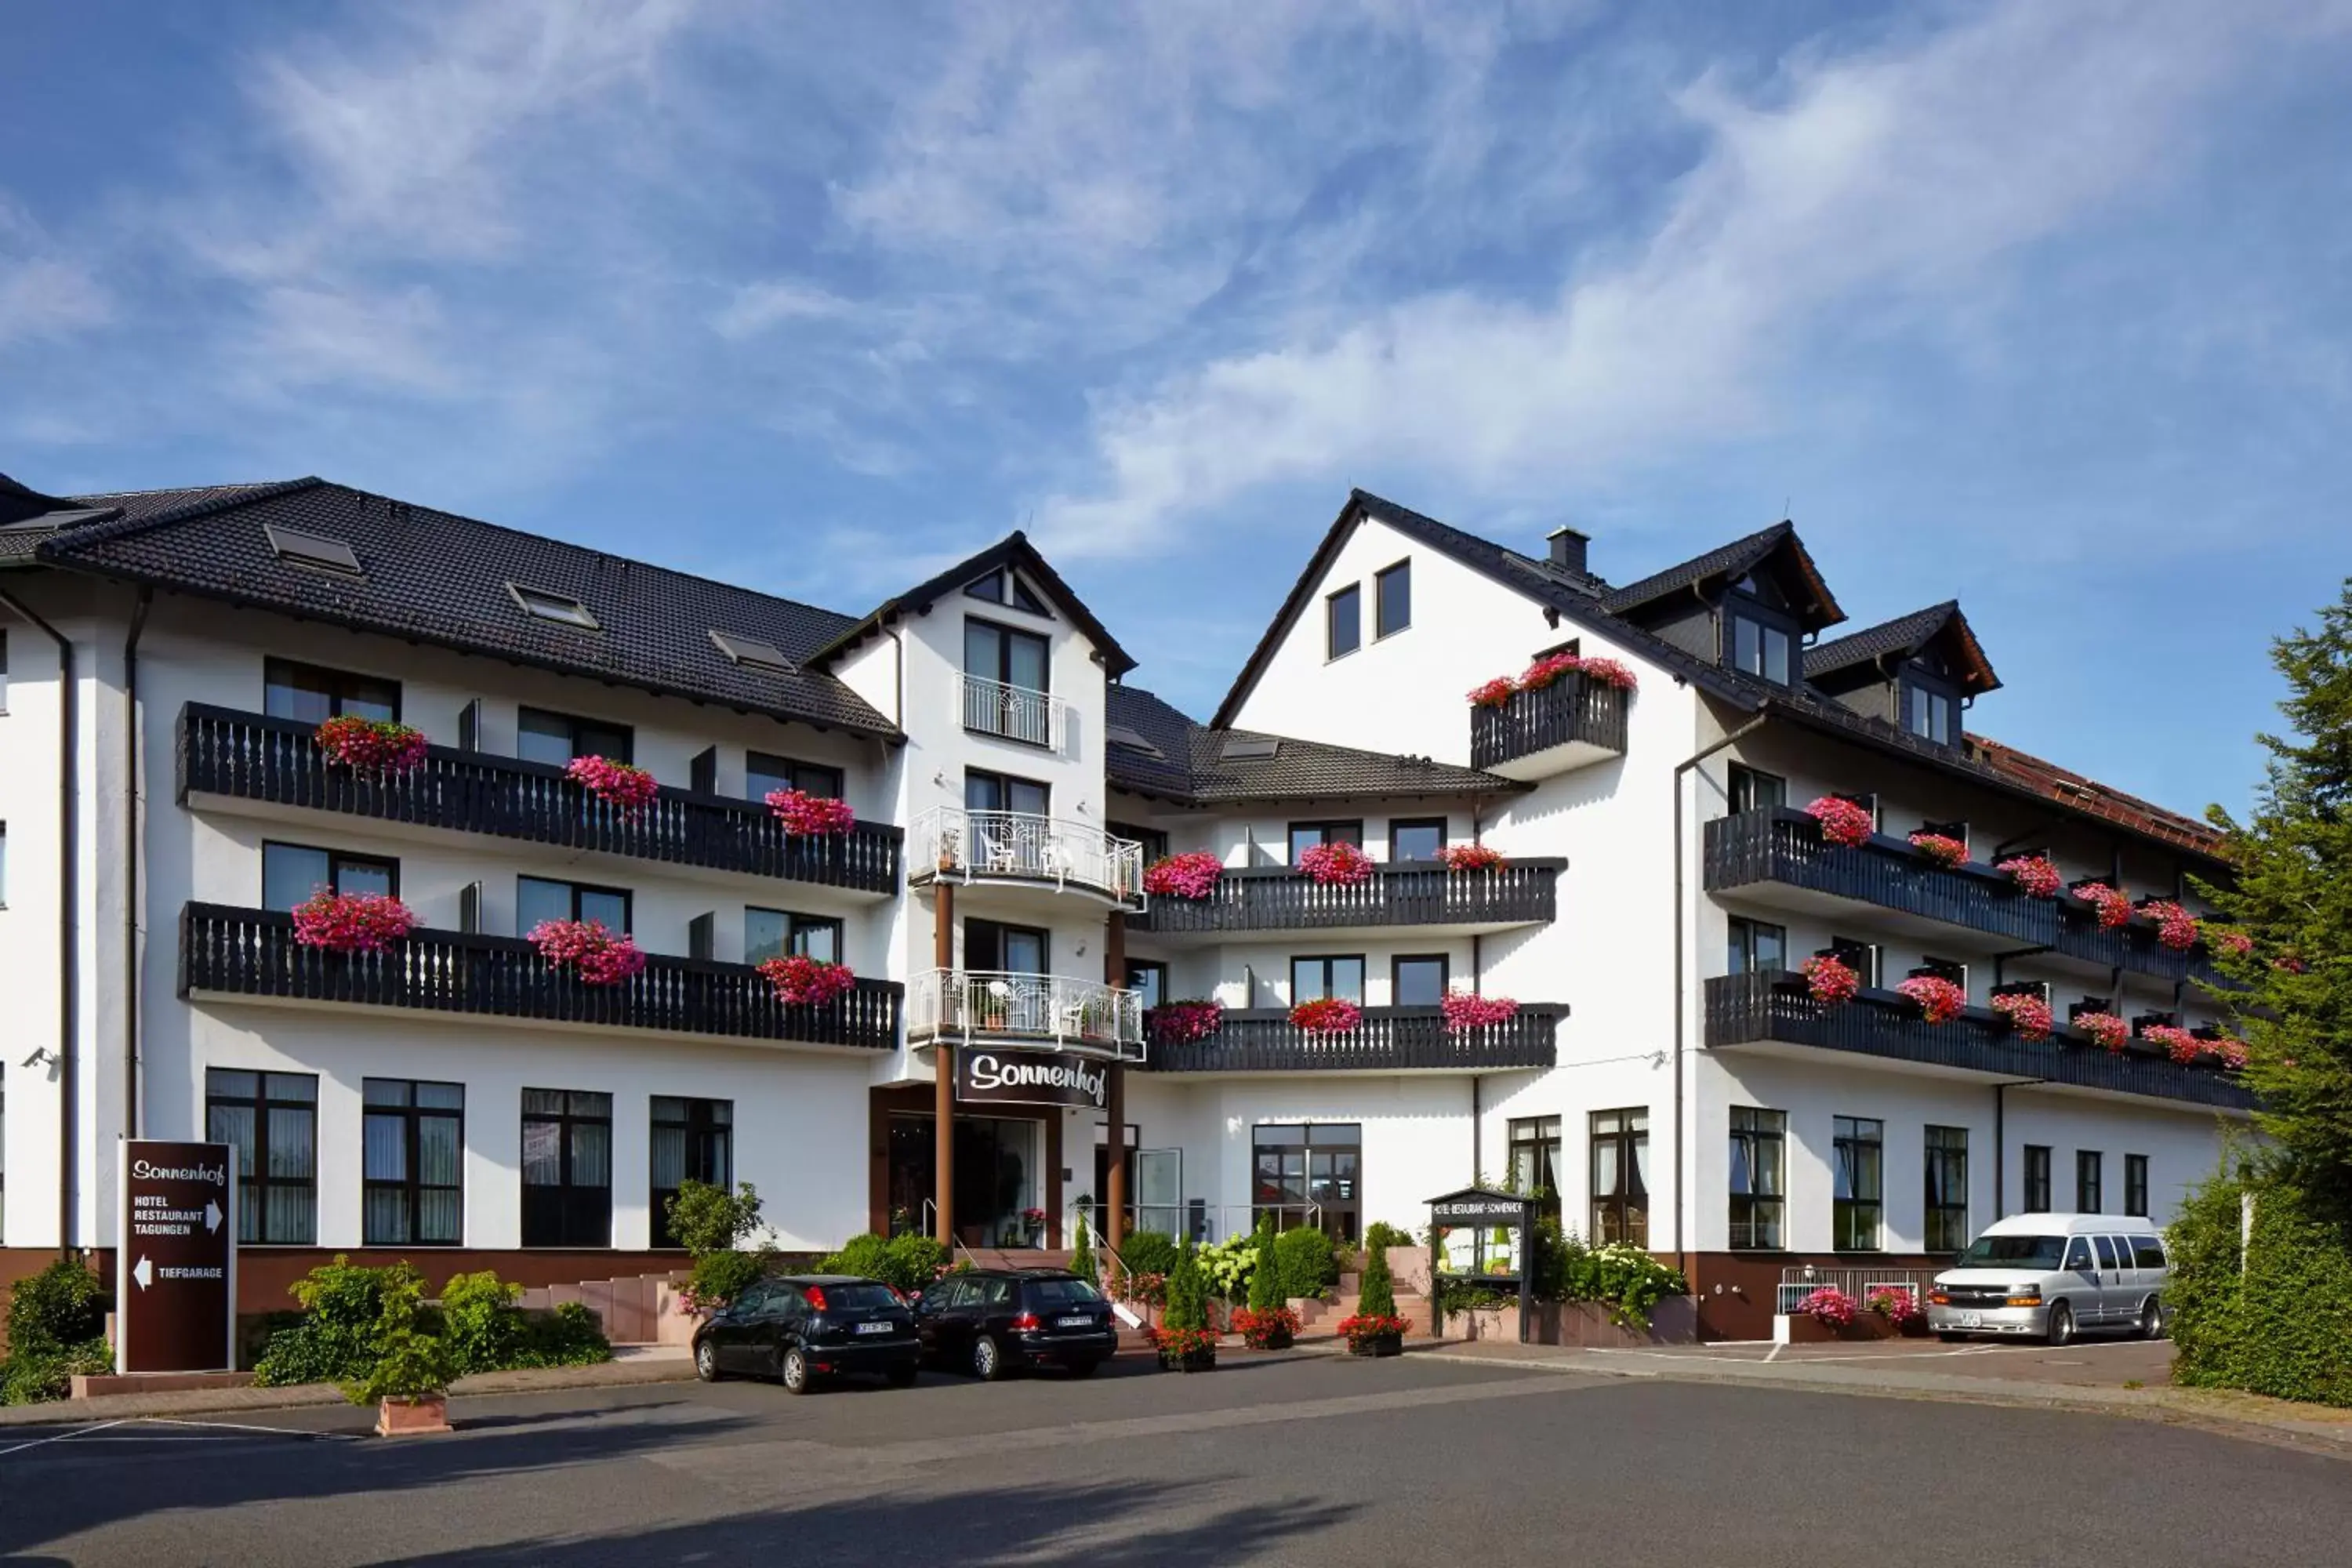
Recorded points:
(2078, 1255)
(2107, 1251)
(2148, 1251)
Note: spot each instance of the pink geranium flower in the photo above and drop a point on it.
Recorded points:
(1465, 1012)
(632, 789)
(351, 922)
(806, 814)
(801, 981)
(1191, 875)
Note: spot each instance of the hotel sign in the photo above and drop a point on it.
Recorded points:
(176, 1271)
(989, 1077)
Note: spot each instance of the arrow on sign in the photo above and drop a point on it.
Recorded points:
(143, 1273)
(213, 1217)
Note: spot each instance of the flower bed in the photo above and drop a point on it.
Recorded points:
(1190, 1349)
(809, 815)
(800, 981)
(357, 743)
(1898, 1306)
(1465, 1012)
(2028, 1015)
(351, 922)
(1940, 1000)
(2107, 1032)
(1266, 1329)
(1941, 847)
(1334, 864)
(2112, 909)
(1829, 1306)
(1191, 875)
(1327, 1015)
(1473, 857)
(600, 957)
(1830, 980)
(1373, 1333)
(2176, 928)
(1175, 1023)
(615, 784)
(1843, 821)
(2035, 874)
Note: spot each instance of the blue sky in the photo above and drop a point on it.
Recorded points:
(2039, 305)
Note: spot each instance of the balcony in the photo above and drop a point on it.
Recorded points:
(1778, 858)
(1570, 724)
(229, 756)
(1426, 896)
(1044, 853)
(1049, 1012)
(1014, 712)
(1390, 1039)
(251, 955)
(1774, 1009)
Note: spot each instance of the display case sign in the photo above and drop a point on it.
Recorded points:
(175, 1268)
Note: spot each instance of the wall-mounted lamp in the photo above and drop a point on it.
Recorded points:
(42, 1057)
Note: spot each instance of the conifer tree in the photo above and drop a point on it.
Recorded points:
(1265, 1275)
(1376, 1295)
(1082, 1256)
(1188, 1297)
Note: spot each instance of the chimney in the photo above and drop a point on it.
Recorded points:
(1567, 549)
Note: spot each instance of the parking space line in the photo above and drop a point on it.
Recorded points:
(64, 1437)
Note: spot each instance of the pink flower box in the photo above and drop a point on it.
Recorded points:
(2028, 1015)
(600, 957)
(808, 815)
(1465, 1012)
(1334, 864)
(2036, 875)
(2107, 1032)
(1191, 875)
(1830, 980)
(799, 981)
(1941, 847)
(630, 788)
(1327, 1015)
(1940, 1000)
(1473, 857)
(351, 922)
(1178, 1023)
(357, 743)
(1843, 821)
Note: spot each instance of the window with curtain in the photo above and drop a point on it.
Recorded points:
(290, 873)
(1758, 1176)
(2037, 1178)
(1621, 1176)
(1947, 1188)
(272, 1117)
(1535, 1159)
(412, 1163)
(1858, 1194)
(779, 933)
(2135, 1185)
(1000, 653)
(763, 775)
(313, 695)
(567, 1168)
(1757, 947)
(2088, 1197)
(693, 1140)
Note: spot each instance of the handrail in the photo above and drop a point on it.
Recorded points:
(1574, 707)
(1023, 713)
(973, 845)
(1398, 893)
(1050, 1011)
(1389, 1039)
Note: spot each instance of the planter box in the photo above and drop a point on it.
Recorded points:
(1378, 1345)
(411, 1417)
(1806, 1330)
(1673, 1321)
(1190, 1361)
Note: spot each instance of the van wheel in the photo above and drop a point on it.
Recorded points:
(2061, 1326)
(706, 1362)
(792, 1369)
(987, 1359)
(2152, 1323)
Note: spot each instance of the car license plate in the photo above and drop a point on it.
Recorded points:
(1074, 1322)
(1971, 1319)
(873, 1328)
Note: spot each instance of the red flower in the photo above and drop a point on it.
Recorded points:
(351, 922)
(1940, 1000)
(2236, 944)
(1473, 857)
(1609, 672)
(615, 783)
(1830, 979)
(2027, 1014)
(2106, 1031)
(1175, 1023)
(359, 743)
(2114, 909)
(1465, 1012)
(1334, 864)
(1898, 1303)
(1327, 1015)
(1548, 670)
(1495, 693)
(2036, 874)
(1274, 1326)
(801, 981)
(1941, 847)
(1191, 875)
(1843, 821)
(1174, 1344)
(600, 957)
(2229, 1052)
(809, 815)
(1829, 1306)
(2177, 1042)
(1362, 1326)
(2176, 928)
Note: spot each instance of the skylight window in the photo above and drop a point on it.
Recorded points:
(751, 653)
(1250, 749)
(541, 605)
(312, 549)
(1121, 735)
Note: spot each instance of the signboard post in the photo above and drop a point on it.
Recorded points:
(175, 1268)
(1483, 1211)
(986, 1076)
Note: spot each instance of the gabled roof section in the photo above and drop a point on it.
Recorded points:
(1903, 638)
(2092, 798)
(1776, 550)
(1197, 766)
(435, 577)
(1014, 551)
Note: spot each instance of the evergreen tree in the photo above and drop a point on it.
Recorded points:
(1188, 1295)
(1082, 1257)
(2292, 895)
(1265, 1275)
(1376, 1296)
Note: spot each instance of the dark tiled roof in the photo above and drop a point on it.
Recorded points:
(1014, 551)
(2073, 791)
(433, 577)
(1733, 560)
(1193, 768)
(1905, 634)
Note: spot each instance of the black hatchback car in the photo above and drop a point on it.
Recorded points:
(993, 1319)
(803, 1327)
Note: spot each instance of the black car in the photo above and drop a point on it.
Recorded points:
(803, 1327)
(991, 1320)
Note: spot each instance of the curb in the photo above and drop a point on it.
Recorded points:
(620, 1373)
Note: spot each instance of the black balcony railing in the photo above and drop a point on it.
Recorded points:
(251, 757)
(1571, 709)
(252, 952)
(1743, 1009)
(1280, 898)
(1390, 1039)
(1786, 846)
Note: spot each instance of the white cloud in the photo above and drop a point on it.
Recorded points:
(1857, 190)
(757, 306)
(44, 294)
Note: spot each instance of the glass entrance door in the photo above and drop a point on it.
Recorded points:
(999, 1177)
(1159, 1191)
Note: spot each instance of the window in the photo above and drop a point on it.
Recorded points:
(292, 872)
(2147, 1251)
(2136, 1186)
(1931, 714)
(779, 933)
(314, 695)
(1760, 647)
(567, 1168)
(1754, 790)
(1308, 1175)
(993, 948)
(312, 549)
(2087, 1182)
(1304, 836)
(1947, 1188)
(1154, 841)
(1535, 1159)
(560, 608)
(1002, 792)
(1759, 1183)
(2037, 1178)
(1000, 653)
(1250, 749)
(1312, 978)
(1417, 839)
(1420, 979)
(413, 1163)
(1858, 1199)
(4, 673)
(1343, 617)
(752, 653)
(537, 898)
(555, 739)
(1951, 969)
(1148, 980)
(273, 1119)
(693, 1140)
(1621, 1176)
(1865, 958)
(763, 775)
(1757, 947)
(1392, 599)
(1006, 588)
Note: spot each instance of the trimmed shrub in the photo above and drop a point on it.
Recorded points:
(57, 1328)
(359, 1320)
(720, 1276)
(1307, 1262)
(706, 1218)
(1381, 1233)
(1265, 1278)
(1150, 1252)
(1082, 1256)
(910, 1262)
(1376, 1299)
(2284, 1328)
(479, 1323)
(335, 1341)
(1188, 1293)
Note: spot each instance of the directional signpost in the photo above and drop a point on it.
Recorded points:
(176, 1276)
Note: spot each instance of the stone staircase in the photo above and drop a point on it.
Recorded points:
(1320, 1320)
(640, 1309)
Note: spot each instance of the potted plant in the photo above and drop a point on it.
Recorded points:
(1175, 1023)
(1033, 1226)
(2026, 1013)
(1267, 1323)
(1326, 1015)
(2036, 875)
(1830, 1307)
(356, 742)
(801, 981)
(351, 922)
(599, 957)
(409, 1382)
(1185, 1341)
(1464, 1011)
(1830, 979)
(1473, 857)
(1843, 821)
(1375, 1328)
(1939, 1000)
(807, 815)
(1334, 864)
(631, 789)
(1191, 875)
(2106, 1031)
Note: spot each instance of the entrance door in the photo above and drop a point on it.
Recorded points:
(1158, 1186)
(999, 1174)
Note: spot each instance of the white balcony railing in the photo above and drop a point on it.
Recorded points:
(1016, 712)
(979, 845)
(968, 1005)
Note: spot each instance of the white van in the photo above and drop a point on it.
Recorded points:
(2049, 1275)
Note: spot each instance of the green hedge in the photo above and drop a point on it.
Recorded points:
(57, 1328)
(352, 1313)
(2283, 1326)
(910, 1262)
(1307, 1261)
(1148, 1252)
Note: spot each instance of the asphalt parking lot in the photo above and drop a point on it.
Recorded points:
(1311, 1461)
(2086, 1363)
